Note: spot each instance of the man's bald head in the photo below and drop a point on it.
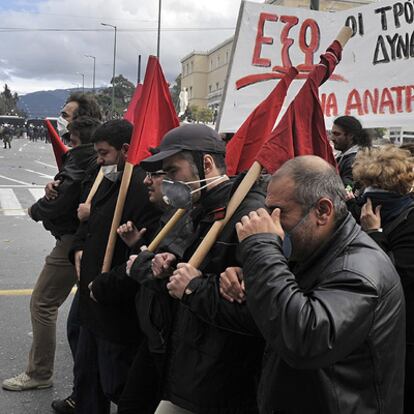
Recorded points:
(313, 178)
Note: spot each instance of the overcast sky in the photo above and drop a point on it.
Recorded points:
(42, 60)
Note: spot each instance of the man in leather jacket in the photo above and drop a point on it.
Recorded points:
(58, 215)
(333, 313)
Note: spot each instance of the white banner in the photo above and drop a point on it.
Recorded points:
(374, 81)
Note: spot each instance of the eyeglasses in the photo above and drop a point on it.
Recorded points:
(155, 174)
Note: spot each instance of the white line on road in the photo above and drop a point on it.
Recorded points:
(10, 204)
(16, 181)
(39, 173)
(37, 193)
(21, 186)
(47, 165)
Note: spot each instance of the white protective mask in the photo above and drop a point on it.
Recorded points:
(62, 126)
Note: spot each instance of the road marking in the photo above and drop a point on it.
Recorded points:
(16, 181)
(21, 186)
(37, 193)
(10, 204)
(39, 173)
(23, 292)
(47, 165)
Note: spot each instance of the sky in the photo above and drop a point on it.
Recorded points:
(33, 59)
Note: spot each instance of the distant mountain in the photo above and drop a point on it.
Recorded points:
(42, 104)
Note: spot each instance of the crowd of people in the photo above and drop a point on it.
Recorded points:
(33, 133)
(301, 305)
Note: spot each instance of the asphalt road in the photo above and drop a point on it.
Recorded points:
(24, 170)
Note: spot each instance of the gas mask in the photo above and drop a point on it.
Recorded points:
(178, 194)
(62, 126)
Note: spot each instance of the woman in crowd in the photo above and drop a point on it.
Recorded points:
(387, 216)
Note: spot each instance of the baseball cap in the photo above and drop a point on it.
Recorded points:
(189, 137)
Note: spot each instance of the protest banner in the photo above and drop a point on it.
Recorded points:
(375, 82)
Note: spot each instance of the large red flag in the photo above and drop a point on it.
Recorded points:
(59, 148)
(301, 131)
(249, 138)
(154, 113)
(129, 114)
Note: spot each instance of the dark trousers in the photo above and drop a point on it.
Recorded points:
(409, 379)
(101, 369)
(143, 387)
(72, 331)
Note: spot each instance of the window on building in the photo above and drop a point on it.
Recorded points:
(188, 71)
(192, 66)
(211, 64)
(209, 88)
(218, 60)
(217, 85)
(191, 92)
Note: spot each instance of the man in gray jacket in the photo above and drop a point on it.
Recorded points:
(325, 297)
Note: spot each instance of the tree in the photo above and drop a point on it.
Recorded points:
(197, 114)
(124, 89)
(8, 102)
(175, 93)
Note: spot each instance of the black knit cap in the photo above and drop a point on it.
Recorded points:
(188, 137)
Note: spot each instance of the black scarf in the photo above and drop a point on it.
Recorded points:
(392, 204)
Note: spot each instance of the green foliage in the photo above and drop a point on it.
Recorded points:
(198, 114)
(124, 89)
(8, 102)
(175, 92)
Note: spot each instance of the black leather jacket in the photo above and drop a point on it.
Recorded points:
(59, 216)
(334, 326)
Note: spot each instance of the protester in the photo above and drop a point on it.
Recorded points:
(387, 216)
(142, 390)
(210, 368)
(107, 344)
(58, 215)
(348, 137)
(77, 104)
(325, 297)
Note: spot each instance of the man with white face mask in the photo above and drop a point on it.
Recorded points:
(209, 367)
(78, 104)
(109, 335)
(58, 215)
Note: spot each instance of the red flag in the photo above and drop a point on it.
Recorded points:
(302, 130)
(59, 148)
(249, 138)
(129, 114)
(154, 113)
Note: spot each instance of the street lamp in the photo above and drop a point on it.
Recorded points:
(83, 81)
(139, 70)
(159, 29)
(113, 71)
(94, 66)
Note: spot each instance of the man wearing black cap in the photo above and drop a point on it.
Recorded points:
(213, 347)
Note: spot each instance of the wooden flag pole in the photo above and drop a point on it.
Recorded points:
(250, 178)
(95, 186)
(165, 231)
(116, 221)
